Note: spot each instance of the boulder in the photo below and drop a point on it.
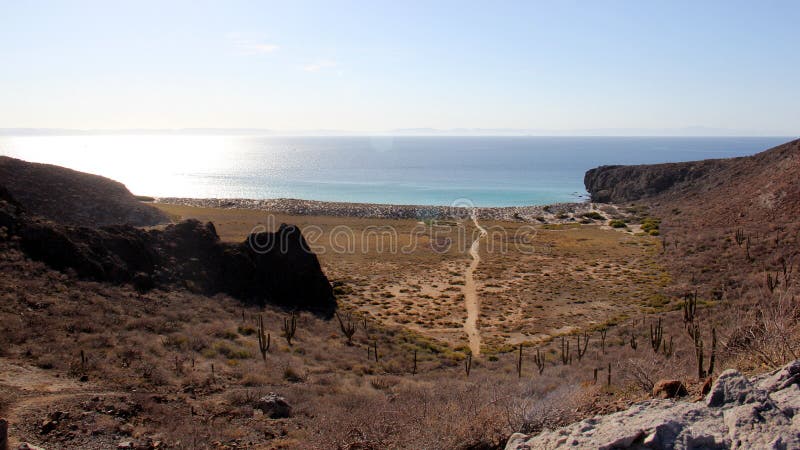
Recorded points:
(274, 406)
(669, 389)
(738, 413)
(27, 446)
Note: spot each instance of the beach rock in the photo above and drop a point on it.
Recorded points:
(669, 389)
(274, 406)
(737, 414)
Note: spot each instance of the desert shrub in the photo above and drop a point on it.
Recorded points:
(616, 223)
(232, 352)
(649, 224)
(593, 215)
(292, 375)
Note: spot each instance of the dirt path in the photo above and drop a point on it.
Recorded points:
(39, 388)
(471, 294)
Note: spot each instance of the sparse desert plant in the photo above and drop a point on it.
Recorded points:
(348, 327)
(689, 307)
(540, 360)
(702, 372)
(656, 335)
(289, 327)
(603, 332)
(616, 223)
(566, 358)
(263, 338)
(582, 348)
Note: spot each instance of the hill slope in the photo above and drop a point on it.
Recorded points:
(762, 186)
(74, 198)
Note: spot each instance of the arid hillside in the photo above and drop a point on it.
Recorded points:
(72, 197)
(711, 208)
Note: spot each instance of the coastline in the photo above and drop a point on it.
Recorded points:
(553, 213)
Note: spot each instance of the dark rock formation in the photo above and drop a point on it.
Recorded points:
(274, 406)
(276, 268)
(74, 198)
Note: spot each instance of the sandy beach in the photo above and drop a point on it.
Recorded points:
(555, 213)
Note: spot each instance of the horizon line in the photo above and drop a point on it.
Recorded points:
(697, 132)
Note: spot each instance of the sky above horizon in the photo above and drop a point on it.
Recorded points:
(377, 66)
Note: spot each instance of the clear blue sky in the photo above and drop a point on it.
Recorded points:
(375, 66)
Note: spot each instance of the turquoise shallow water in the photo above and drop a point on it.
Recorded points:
(489, 171)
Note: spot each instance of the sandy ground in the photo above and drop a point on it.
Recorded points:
(532, 281)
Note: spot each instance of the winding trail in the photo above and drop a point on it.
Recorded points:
(471, 294)
(39, 389)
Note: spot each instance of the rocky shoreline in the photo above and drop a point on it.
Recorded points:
(559, 212)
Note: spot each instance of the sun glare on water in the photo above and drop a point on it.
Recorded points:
(146, 164)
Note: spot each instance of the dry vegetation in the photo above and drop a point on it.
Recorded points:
(185, 370)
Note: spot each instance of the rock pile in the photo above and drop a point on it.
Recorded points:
(737, 413)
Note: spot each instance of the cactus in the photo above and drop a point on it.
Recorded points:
(414, 370)
(539, 359)
(582, 349)
(787, 271)
(468, 363)
(348, 327)
(603, 332)
(739, 236)
(375, 348)
(264, 339)
(609, 374)
(633, 342)
(772, 283)
(656, 335)
(749, 258)
(698, 348)
(566, 358)
(689, 307)
(519, 362)
(289, 327)
(668, 349)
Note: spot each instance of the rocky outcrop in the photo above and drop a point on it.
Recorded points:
(738, 413)
(74, 198)
(620, 184)
(274, 406)
(768, 174)
(271, 267)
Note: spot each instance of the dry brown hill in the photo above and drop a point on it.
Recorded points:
(711, 209)
(72, 197)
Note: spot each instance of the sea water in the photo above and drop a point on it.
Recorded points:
(487, 171)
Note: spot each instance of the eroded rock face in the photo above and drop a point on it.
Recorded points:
(620, 184)
(738, 413)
